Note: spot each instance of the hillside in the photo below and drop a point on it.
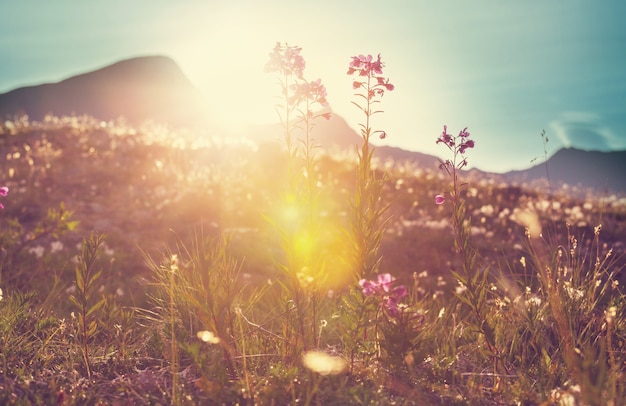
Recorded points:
(139, 89)
(153, 88)
(143, 192)
(583, 170)
(194, 241)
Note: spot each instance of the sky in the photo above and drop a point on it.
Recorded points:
(506, 70)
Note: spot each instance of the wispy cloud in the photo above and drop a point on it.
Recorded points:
(585, 130)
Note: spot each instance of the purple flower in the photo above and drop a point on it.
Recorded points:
(385, 280)
(464, 133)
(399, 291)
(286, 60)
(369, 288)
(392, 306)
(445, 137)
(389, 297)
(439, 199)
(3, 192)
(465, 145)
(313, 92)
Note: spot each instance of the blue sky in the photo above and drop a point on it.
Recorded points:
(506, 70)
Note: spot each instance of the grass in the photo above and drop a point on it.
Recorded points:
(232, 274)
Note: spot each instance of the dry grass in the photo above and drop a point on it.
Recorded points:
(554, 302)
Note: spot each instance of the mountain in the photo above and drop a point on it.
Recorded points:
(139, 89)
(601, 171)
(332, 133)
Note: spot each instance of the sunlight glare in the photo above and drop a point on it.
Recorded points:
(229, 72)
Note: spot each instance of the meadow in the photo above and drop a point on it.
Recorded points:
(150, 265)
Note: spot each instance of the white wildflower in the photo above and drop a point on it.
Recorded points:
(38, 251)
(56, 246)
(324, 364)
(208, 337)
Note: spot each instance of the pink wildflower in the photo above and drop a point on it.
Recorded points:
(286, 60)
(313, 92)
(439, 199)
(369, 288)
(465, 145)
(385, 280)
(445, 137)
(389, 297)
(3, 192)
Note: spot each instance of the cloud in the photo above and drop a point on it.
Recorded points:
(585, 130)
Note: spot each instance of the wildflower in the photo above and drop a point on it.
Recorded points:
(391, 306)
(313, 92)
(440, 199)
(374, 86)
(459, 144)
(390, 298)
(393, 300)
(385, 82)
(385, 281)
(596, 229)
(459, 290)
(56, 246)
(323, 363)
(38, 251)
(365, 65)
(369, 288)
(3, 192)
(465, 145)
(533, 301)
(286, 60)
(174, 263)
(608, 314)
(445, 137)
(208, 337)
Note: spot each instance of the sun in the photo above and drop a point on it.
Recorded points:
(227, 65)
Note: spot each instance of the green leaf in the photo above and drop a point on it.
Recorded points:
(71, 225)
(95, 277)
(75, 301)
(80, 282)
(464, 299)
(95, 307)
(91, 329)
(459, 278)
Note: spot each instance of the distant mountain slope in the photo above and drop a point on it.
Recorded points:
(140, 89)
(602, 171)
(336, 134)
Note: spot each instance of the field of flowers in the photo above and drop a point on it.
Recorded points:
(158, 266)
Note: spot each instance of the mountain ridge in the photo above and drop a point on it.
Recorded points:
(138, 89)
